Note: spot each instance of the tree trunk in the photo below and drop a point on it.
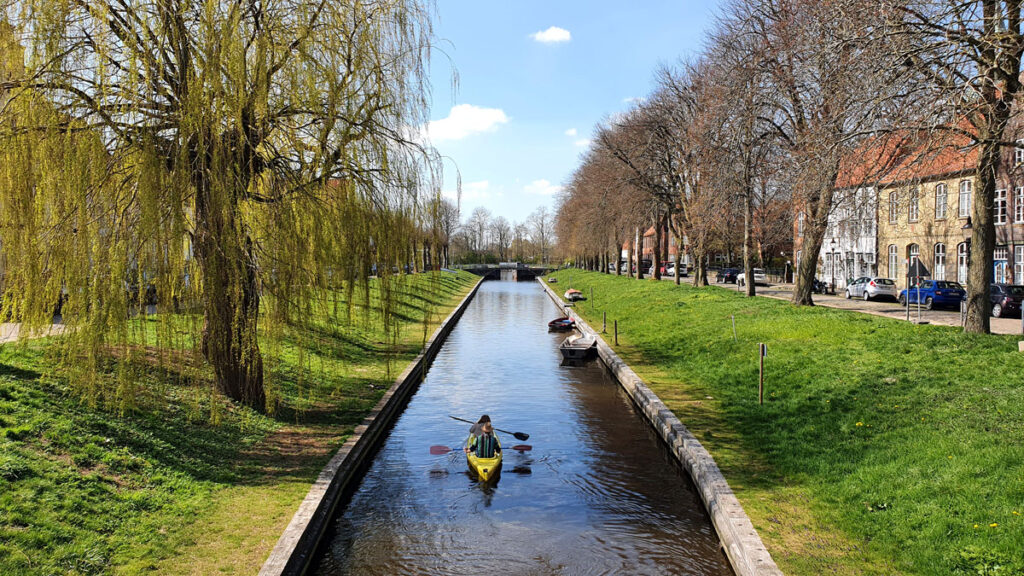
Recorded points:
(700, 271)
(618, 258)
(679, 258)
(231, 299)
(748, 260)
(983, 241)
(639, 252)
(656, 249)
(813, 237)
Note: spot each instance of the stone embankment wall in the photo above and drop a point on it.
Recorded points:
(742, 544)
(294, 550)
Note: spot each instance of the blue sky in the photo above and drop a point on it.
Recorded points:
(534, 79)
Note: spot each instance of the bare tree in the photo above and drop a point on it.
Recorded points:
(739, 103)
(477, 225)
(448, 225)
(501, 235)
(541, 225)
(826, 79)
(967, 56)
(520, 234)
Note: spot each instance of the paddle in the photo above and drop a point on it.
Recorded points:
(438, 450)
(519, 435)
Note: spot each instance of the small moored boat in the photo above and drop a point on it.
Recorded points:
(578, 347)
(572, 295)
(561, 324)
(484, 468)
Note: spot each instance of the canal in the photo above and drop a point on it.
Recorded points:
(598, 493)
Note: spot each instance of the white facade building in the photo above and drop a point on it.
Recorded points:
(849, 248)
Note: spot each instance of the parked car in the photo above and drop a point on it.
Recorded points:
(670, 270)
(727, 275)
(933, 293)
(759, 277)
(1006, 299)
(869, 288)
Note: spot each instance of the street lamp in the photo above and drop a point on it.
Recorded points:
(833, 244)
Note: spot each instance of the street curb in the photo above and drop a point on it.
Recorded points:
(295, 548)
(740, 541)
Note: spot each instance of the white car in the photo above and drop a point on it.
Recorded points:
(759, 277)
(670, 269)
(868, 288)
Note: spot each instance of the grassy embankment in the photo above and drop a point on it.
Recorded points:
(161, 489)
(882, 447)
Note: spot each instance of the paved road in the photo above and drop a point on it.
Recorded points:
(888, 309)
(11, 331)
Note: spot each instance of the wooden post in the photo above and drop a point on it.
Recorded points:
(604, 323)
(762, 351)
(591, 297)
(616, 332)
(733, 327)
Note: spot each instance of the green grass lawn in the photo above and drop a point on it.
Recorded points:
(161, 489)
(882, 447)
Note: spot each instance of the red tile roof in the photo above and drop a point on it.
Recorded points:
(902, 157)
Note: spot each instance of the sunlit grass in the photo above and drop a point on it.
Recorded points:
(164, 490)
(882, 447)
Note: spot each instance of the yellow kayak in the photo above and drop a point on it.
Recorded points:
(484, 468)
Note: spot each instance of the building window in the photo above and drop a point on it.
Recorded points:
(1018, 204)
(961, 263)
(1000, 264)
(913, 210)
(913, 254)
(799, 254)
(941, 199)
(965, 198)
(939, 266)
(1018, 264)
(800, 224)
(894, 207)
(999, 209)
(894, 261)
(1018, 153)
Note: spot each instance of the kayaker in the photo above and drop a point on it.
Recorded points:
(476, 428)
(484, 444)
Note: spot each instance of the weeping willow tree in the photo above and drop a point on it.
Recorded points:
(206, 155)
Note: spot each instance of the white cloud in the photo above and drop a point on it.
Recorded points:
(542, 188)
(473, 191)
(582, 142)
(465, 120)
(571, 132)
(552, 35)
(634, 100)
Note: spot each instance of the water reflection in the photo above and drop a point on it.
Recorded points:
(597, 494)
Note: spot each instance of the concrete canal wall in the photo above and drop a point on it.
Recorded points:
(742, 544)
(294, 550)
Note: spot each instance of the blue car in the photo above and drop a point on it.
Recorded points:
(934, 293)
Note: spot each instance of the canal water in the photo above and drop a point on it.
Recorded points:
(597, 494)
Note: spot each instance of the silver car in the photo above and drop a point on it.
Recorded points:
(870, 288)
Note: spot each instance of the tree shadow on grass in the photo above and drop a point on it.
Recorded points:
(18, 373)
